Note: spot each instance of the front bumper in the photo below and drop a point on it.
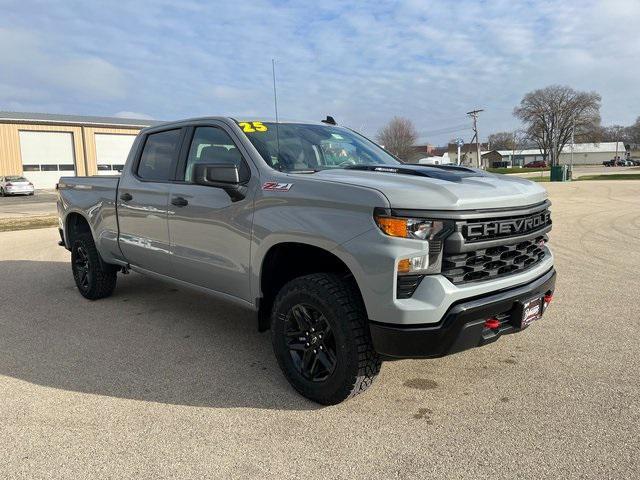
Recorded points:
(462, 327)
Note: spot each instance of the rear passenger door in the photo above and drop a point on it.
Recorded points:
(210, 232)
(143, 198)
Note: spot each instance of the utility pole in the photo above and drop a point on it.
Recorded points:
(474, 115)
(573, 131)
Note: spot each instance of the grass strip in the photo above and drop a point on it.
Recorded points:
(613, 176)
(517, 170)
(27, 223)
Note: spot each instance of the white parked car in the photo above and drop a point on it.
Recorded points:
(15, 185)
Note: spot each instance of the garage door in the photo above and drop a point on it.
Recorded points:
(46, 156)
(112, 151)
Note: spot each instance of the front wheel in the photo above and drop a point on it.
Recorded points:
(321, 338)
(94, 278)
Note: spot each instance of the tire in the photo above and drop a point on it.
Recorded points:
(94, 278)
(2, 194)
(323, 313)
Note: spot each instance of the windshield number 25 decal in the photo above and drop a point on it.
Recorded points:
(249, 127)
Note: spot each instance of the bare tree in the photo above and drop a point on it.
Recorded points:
(633, 133)
(505, 140)
(614, 133)
(398, 136)
(550, 114)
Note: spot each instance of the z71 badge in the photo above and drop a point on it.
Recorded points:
(277, 186)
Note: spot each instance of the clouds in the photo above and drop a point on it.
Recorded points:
(361, 62)
(32, 65)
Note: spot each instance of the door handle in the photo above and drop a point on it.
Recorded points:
(126, 197)
(179, 202)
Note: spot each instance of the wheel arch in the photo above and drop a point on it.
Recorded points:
(75, 223)
(285, 261)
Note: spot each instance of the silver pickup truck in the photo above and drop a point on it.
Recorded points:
(346, 254)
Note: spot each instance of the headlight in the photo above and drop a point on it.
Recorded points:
(416, 228)
(430, 231)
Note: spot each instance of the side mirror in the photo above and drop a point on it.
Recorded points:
(220, 175)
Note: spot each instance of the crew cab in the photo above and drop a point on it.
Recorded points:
(349, 256)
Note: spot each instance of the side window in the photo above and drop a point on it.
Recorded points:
(160, 155)
(213, 145)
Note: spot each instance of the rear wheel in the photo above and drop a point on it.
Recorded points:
(321, 338)
(94, 278)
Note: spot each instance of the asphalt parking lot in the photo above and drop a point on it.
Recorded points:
(159, 382)
(15, 206)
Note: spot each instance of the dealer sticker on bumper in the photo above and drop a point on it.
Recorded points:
(531, 311)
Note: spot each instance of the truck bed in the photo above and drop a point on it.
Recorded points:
(94, 198)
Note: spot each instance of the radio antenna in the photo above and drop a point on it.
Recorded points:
(275, 104)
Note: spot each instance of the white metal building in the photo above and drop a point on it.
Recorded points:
(583, 154)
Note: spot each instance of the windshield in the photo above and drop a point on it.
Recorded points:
(304, 147)
(16, 179)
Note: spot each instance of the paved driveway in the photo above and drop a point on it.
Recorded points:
(20, 206)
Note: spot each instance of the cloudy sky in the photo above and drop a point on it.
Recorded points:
(362, 62)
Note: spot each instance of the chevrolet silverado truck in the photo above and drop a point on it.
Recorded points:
(349, 256)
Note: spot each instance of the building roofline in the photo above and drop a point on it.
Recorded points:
(58, 119)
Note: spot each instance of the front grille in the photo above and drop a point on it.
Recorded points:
(481, 230)
(493, 262)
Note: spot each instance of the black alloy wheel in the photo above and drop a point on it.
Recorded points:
(94, 278)
(321, 338)
(82, 269)
(311, 343)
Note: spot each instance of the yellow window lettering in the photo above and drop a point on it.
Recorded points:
(250, 127)
(246, 127)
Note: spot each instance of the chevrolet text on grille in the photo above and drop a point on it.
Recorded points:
(508, 227)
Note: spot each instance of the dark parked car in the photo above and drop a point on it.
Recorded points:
(614, 162)
(536, 164)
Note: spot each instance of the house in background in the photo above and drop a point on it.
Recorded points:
(468, 153)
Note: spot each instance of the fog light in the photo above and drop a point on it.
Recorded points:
(415, 264)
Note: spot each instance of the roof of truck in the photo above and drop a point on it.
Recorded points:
(236, 119)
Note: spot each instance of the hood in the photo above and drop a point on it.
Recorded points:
(440, 187)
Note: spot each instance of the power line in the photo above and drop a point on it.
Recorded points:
(453, 128)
